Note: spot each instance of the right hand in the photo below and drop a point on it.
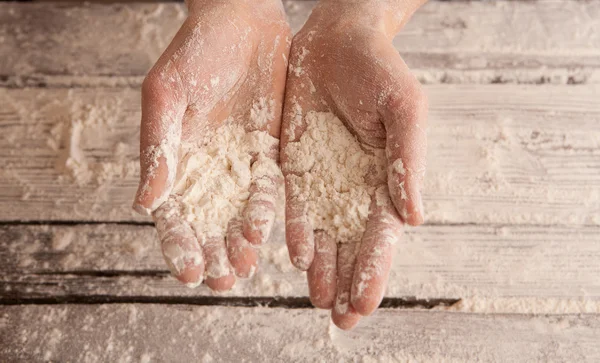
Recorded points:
(343, 62)
(228, 55)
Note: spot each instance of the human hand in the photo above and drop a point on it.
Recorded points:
(351, 185)
(211, 109)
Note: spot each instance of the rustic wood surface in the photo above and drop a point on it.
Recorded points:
(174, 333)
(451, 42)
(511, 154)
(507, 264)
(134, 333)
(433, 262)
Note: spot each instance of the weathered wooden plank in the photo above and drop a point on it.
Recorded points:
(456, 42)
(160, 333)
(498, 154)
(432, 262)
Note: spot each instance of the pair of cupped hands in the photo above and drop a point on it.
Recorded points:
(226, 57)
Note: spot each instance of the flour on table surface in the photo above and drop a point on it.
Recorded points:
(76, 130)
(525, 305)
(335, 175)
(126, 332)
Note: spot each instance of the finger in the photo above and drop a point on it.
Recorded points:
(179, 245)
(343, 313)
(259, 213)
(160, 137)
(219, 273)
(301, 97)
(404, 114)
(384, 230)
(321, 275)
(272, 65)
(242, 255)
(298, 230)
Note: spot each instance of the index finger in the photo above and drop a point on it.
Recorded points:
(384, 230)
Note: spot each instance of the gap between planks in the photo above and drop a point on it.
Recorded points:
(543, 267)
(247, 301)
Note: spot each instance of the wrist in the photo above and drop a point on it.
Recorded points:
(199, 6)
(387, 16)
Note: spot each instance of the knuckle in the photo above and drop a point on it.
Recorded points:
(151, 83)
(419, 97)
(411, 101)
(421, 102)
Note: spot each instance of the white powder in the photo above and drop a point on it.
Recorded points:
(214, 177)
(335, 175)
(167, 149)
(525, 305)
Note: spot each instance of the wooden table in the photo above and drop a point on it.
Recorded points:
(505, 269)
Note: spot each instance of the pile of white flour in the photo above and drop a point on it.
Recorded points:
(335, 175)
(214, 177)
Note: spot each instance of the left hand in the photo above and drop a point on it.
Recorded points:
(226, 63)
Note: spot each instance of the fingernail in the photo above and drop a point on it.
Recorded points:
(341, 303)
(251, 272)
(140, 209)
(174, 257)
(193, 285)
(301, 262)
(417, 216)
(147, 211)
(261, 228)
(178, 259)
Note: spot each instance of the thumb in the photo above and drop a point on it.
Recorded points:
(160, 136)
(405, 118)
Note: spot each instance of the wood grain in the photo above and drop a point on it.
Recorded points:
(177, 333)
(459, 42)
(507, 154)
(512, 199)
(432, 262)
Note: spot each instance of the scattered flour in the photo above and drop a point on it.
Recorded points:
(75, 131)
(106, 333)
(62, 239)
(214, 177)
(335, 175)
(525, 305)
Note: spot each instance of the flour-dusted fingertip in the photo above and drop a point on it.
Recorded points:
(147, 200)
(416, 215)
(322, 274)
(242, 255)
(302, 263)
(301, 247)
(406, 197)
(193, 285)
(220, 275)
(366, 306)
(258, 222)
(299, 236)
(140, 209)
(344, 316)
(187, 266)
(221, 284)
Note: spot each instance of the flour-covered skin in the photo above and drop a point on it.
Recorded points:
(343, 66)
(221, 79)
